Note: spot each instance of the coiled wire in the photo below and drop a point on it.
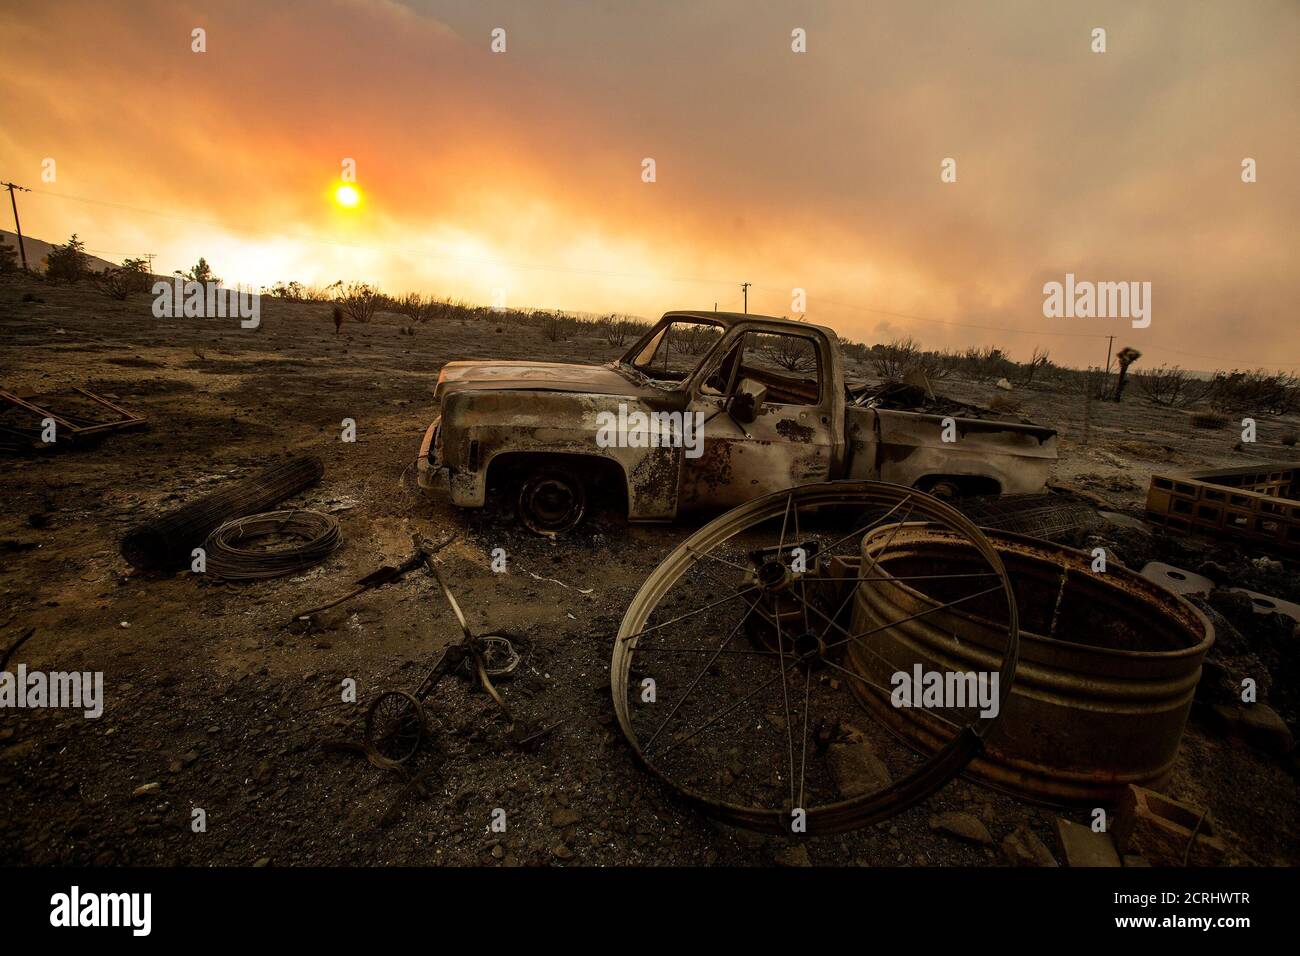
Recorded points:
(230, 557)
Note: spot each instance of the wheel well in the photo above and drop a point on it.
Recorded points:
(605, 480)
(966, 486)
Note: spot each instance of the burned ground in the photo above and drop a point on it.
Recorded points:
(210, 697)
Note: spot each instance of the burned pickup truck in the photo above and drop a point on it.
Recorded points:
(707, 410)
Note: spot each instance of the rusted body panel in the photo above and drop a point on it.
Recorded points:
(476, 427)
(906, 447)
(493, 409)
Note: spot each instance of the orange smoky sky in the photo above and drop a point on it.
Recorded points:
(521, 171)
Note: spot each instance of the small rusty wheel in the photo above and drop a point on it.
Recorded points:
(395, 727)
(552, 501)
(499, 656)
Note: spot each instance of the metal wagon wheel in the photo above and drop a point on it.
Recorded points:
(395, 727)
(729, 673)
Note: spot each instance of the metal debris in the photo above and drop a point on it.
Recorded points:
(165, 541)
(229, 556)
(1178, 580)
(1051, 517)
(779, 630)
(77, 415)
(1182, 581)
(385, 574)
(397, 723)
(1109, 662)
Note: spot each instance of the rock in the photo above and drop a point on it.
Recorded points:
(330, 620)
(19, 750)
(1159, 829)
(796, 855)
(963, 826)
(561, 852)
(1215, 571)
(1003, 384)
(1023, 848)
(745, 838)
(262, 861)
(562, 817)
(145, 789)
(1266, 729)
(1082, 846)
(1257, 724)
(856, 769)
(498, 852)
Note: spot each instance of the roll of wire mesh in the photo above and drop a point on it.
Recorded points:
(165, 541)
(233, 553)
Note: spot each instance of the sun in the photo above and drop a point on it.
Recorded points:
(347, 196)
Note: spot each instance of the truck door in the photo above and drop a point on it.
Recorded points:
(791, 440)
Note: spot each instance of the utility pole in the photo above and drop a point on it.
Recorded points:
(22, 249)
(744, 288)
(149, 256)
(1105, 380)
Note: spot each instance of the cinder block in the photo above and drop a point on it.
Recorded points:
(1160, 829)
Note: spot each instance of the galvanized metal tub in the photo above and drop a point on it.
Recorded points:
(1099, 700)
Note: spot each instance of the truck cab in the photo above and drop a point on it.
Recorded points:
(705, 411)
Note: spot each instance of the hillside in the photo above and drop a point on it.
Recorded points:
(38, 249)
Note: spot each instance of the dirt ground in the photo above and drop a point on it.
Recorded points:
(210, 696)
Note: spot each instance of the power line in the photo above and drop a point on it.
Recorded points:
(1017, 331)
(959, 325)
(548, 267)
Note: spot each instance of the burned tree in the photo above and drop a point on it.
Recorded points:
(1126, 357)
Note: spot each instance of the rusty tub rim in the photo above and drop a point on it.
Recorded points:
(1039, 549)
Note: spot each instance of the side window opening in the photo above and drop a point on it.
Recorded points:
(787, 365)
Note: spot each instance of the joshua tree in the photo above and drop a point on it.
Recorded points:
(1126, 357)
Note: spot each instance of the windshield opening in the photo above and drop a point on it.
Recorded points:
(674, 351)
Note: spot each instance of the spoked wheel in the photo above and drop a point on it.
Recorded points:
(500, 658)
(552, 502)
(395, 728)
(741, 665)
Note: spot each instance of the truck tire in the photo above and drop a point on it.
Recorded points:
(551, 500)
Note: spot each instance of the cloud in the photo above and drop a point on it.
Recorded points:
(820, 170)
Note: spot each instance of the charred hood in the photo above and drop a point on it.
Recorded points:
(540, 377)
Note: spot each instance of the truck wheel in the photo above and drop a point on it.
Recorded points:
(552, 501)
(945, 491)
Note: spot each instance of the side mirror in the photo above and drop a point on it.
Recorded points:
(745, 403)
